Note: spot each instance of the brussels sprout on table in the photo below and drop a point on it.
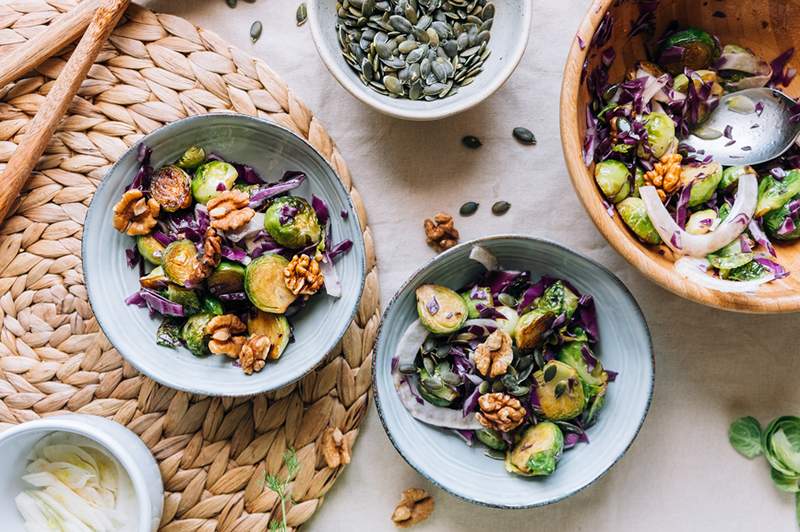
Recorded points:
(150, 248)
(212, 178)
(292, 223)
(537, 452)
(440, 309)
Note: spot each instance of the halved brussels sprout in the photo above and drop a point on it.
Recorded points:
(701, 222)
(571, 354)
(638, 181)
(531, 327)
(691, 48)
(509, 323)
(699, 77)
(441, 310)
(475, 296)
(730, 257)
(634, 214)
(777, 226)
(292, 222)
(660, 133)
(265, 286)
(705, 179)
(491, 439)
(731, 175)
(192, 158)
(227, 278)
(434, 389)
(773, 194)
(537, 451)
(155, 280)
(273, 326)
(179, 261)
(212, 305)
(560, 391)
(211, 179)
(559, 299)
(612, 177)
(195, 335)
(183, 296)
(170, 188)
(151, 249)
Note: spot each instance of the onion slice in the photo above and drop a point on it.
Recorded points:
(696, 270)
(729, 230)
(484, 256)
(407, 349)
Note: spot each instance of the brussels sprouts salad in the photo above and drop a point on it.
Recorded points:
(506, 360)
(225, 258)
(718, 223)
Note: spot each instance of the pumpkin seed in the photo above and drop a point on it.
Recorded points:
(302, 14)
(472, 142)
(500, 208)
(560, 389)
(468, 209)
(524, 135)
(255, 30)
(550, 373)
(231, 3)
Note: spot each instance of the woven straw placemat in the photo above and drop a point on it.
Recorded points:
(213, 452)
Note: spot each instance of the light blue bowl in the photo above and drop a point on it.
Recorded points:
(272, 150)
(444, 459)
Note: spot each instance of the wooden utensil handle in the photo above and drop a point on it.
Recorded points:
(41, 128)
(65, 29)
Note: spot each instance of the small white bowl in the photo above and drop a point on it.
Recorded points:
(130, 452)
(512, 23)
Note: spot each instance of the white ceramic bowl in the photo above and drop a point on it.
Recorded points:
(132, 454)
(510, 32)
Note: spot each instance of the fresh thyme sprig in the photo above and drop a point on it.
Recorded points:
(279, 486)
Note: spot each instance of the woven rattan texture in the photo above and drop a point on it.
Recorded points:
(213, 452)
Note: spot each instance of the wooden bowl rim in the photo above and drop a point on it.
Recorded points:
(636, 254)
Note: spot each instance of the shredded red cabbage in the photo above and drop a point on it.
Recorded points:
(155, 302)
(289, 181)
(682, 209)
(321, 209)
(772, 266)
(132, 257)
(781, 74)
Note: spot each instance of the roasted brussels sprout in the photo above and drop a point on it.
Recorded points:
(731, 175)
(783, 224)
(704, 179)
(691, 48)
(194, 334)
(155, 280)
(192, 158)
(509, 323)
(292, 222)
(660, 133)
(634, 214)
(183, 296)
(151, 249)
(475, 296)
(273, 326)
(613, 178)
(441, 310)
(168, 333)
(170, 188)
(571, 354)
(211, 178)
(227, 278)
(558, 299)
(433, 387)
(180, 261)
(537, 451)
(491, 439)
(730, 257)
(773, 194)
(701, 222)
(531, 327)
(638, 181)
(212, 305)
(265, 286)
(559, 391)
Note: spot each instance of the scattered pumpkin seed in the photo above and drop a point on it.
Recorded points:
(550, 373)
(524, 135)
(472, 142)
(500, 208)
(255, 30)
(468, 209)
(302, 14)
(231, 3)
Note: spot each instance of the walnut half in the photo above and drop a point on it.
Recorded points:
(500, 412)
(440, 231)
(253, 356)
(335, 450)
(493, 356)
(134, 214)
(223, 331)
(414, 507)
(229, 210)
(303, 275)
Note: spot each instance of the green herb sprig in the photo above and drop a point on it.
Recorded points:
(279, 487)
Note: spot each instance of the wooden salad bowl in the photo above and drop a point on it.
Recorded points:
(768, 27)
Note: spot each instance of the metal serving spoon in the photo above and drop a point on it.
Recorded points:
(754, 137)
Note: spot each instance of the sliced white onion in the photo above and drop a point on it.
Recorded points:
(406, 352)
(480, 322)
(707, 133)
(333, 286)
(248, 230)
(696, 270)
(484, 256)
(738, 103)
(729, 230)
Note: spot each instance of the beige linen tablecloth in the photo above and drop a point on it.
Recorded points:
(712, 366)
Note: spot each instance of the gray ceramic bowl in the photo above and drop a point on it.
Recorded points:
(272, 150)
(512, 23)
(625, 346)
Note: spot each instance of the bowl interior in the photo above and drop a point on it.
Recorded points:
(272, 150)
(466, 472)
(766, 28)
(509, 37)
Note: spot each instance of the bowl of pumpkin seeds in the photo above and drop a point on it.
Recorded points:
(420, 59)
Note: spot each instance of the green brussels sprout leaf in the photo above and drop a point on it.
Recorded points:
(774, 194)
(478, 295)
(168, 333)
(783, 482)
(775, 222)
(558, 299)
(212, 305)
(780, 442)
(745, 436)
(731, 256)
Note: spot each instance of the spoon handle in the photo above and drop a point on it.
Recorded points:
(44, 45)
(41, 128)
